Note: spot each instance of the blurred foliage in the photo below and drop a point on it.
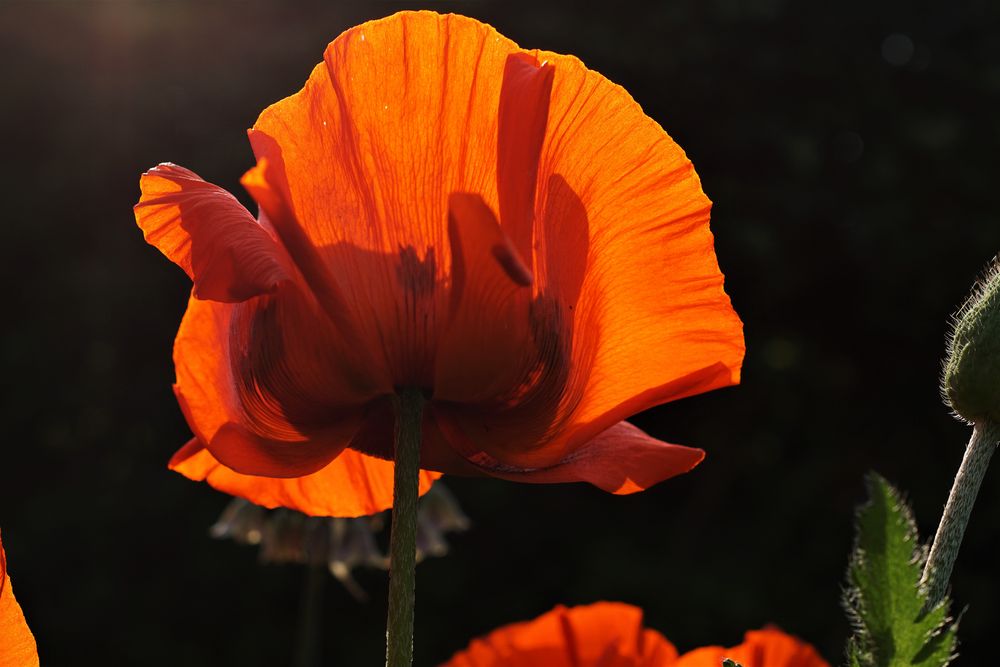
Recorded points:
(850, 149)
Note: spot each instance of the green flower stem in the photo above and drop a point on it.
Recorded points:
(409, 408)
(944, 550)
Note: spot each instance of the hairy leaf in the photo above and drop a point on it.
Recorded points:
(891, 628)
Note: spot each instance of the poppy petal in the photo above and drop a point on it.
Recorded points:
(769, 647)
(239, 415)
(622, 459)
(523, 113)
(17, 644)
(266, 185)
(208, 233)
(613, 630)
(487, 345)
(250, 454)
(353, 484)
(402, 113)
(630, 308)
(605, 633)
(205, 387)
(650, 308)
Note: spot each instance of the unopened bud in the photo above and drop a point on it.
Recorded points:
(971, 383)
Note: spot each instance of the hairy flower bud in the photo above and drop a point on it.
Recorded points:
(971, 383)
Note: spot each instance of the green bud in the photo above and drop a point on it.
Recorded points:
(971, 383)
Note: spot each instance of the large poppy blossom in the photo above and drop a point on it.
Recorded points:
(17, 644)
(611, 634)
(440, 209)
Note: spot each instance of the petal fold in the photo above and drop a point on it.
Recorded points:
(267, 185)
(523, 114)
(277, 404)
(487, 346)
(353, 484)
(621, 460)
(208, 233)
(249, 454)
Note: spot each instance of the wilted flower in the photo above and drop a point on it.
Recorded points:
(17, 644)
(440, 210)
(611, 634)
(340, 544)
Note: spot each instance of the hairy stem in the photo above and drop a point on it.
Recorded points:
(409, 408)
(948, 538)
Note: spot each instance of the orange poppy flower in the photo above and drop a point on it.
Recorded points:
(440, 209)
(611, 634)
(17, 644)
(769, 647)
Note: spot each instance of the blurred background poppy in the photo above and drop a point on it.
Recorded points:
(850, 149)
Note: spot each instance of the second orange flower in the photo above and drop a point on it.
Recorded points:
(612, 634)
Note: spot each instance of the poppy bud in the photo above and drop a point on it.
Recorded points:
(971, 383)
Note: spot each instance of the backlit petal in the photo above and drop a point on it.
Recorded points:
(289, 410)
(769, 647)
(208, 233)
(605, 634)
(523, 113)
(650, 308)
(622, 460)
(487, 346)
(266, 184)
(250, 454)
(402, 113)
(353, 484)
(17, 644)
(629, 310)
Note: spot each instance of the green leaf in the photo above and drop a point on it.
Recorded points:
(891, 628)
(726, 662)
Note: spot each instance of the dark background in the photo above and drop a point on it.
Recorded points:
(851, 152)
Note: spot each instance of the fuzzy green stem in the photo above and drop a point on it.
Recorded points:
(409, 408)
(944, 550)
